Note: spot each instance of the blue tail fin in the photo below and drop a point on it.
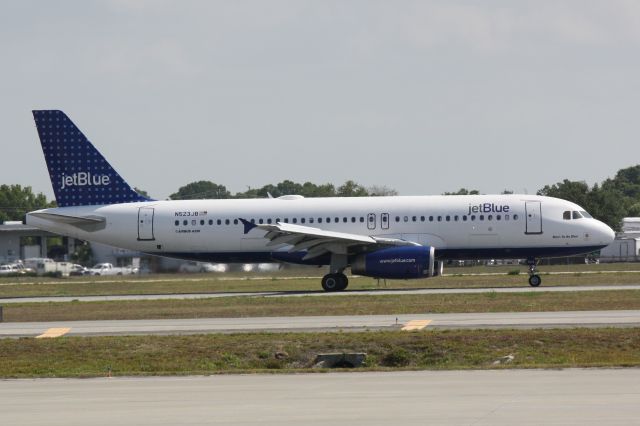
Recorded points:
(80, 175)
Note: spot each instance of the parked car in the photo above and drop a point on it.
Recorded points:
(79, 270)
(15, 269)
(109, 269)
(8, 270)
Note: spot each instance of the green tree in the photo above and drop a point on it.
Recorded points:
(463, 191)
(574, 191)
(352, 189)
(16, 201)
(381, 191)
(141, 192)
(202, 189)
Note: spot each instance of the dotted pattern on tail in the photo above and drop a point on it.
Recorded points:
(80, 175)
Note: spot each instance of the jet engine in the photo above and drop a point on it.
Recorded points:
(404, 262)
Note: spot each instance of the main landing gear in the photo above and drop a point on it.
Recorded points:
(534, 278)
(336, 280)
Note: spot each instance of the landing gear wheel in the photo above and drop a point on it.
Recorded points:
(334, 282)
(535, 280)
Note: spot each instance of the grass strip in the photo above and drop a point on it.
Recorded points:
(296, 352)
(100, 286)
(233, 307)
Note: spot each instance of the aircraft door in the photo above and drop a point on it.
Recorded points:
(371, 221)
(533, 217)
(384, 220)
(145, 224)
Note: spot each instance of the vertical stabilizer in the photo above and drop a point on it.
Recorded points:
(80, 175)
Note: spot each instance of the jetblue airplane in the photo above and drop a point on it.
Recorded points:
(400, 237)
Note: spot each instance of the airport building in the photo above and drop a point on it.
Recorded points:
(19, 241)
(626, 246)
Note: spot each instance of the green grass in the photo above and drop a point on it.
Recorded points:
(239, 353)
(330, 305)
(180, 284)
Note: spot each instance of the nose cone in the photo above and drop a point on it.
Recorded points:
(604, 234)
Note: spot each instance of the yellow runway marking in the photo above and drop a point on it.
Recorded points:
(53, 332)
(416, 325)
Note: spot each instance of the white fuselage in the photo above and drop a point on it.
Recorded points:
(458, 227)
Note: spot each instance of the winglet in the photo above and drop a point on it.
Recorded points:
(248, 226)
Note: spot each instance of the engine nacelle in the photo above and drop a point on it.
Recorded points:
(403, 262)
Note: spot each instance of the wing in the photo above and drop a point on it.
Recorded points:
(317, 241)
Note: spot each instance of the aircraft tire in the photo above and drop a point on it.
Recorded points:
(535, 280)
(334, 282)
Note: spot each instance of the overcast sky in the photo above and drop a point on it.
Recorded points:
(421, 96)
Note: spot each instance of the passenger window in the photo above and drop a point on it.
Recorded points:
(430, 218)
(422, 218)
(319, 220)
(328, 220)
(362, 219)
(515, 217)
(277, 220)
(295, 220)
(490, 217)
(286, 220)
(235, 221)
(464, 218)
(210, 221)
(397, 218)
(219, 221)
(448, 218)
(193, 222)
(414, 218)
(481, 217)
(302, 220)
(201, 222)
(439, 218)
(260, 221)
(455, 218)
(269, 221)
(344, 219)
(252, 221)
(177, 222)
(566, 215)
(406, 218)
(498, 217)
(226, 221)
(506, 217)
(310, 220)
(473, 217)
(337, 219)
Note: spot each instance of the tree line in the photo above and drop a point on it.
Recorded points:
(608, 201)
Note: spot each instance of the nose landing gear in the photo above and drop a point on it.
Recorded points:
(534, 278)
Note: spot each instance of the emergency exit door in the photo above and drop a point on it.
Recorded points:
(145, 224)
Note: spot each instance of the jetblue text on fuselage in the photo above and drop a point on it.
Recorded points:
(84, 179)
(488, 208)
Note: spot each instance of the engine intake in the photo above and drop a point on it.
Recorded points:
(405, 262)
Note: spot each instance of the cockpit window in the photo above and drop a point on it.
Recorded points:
(576, 215)
(585, 214)
(566, 215)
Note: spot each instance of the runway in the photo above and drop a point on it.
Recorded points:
(381, 292)
(494, 397)
(327, 323)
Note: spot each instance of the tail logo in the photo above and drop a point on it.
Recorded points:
(84, 179)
